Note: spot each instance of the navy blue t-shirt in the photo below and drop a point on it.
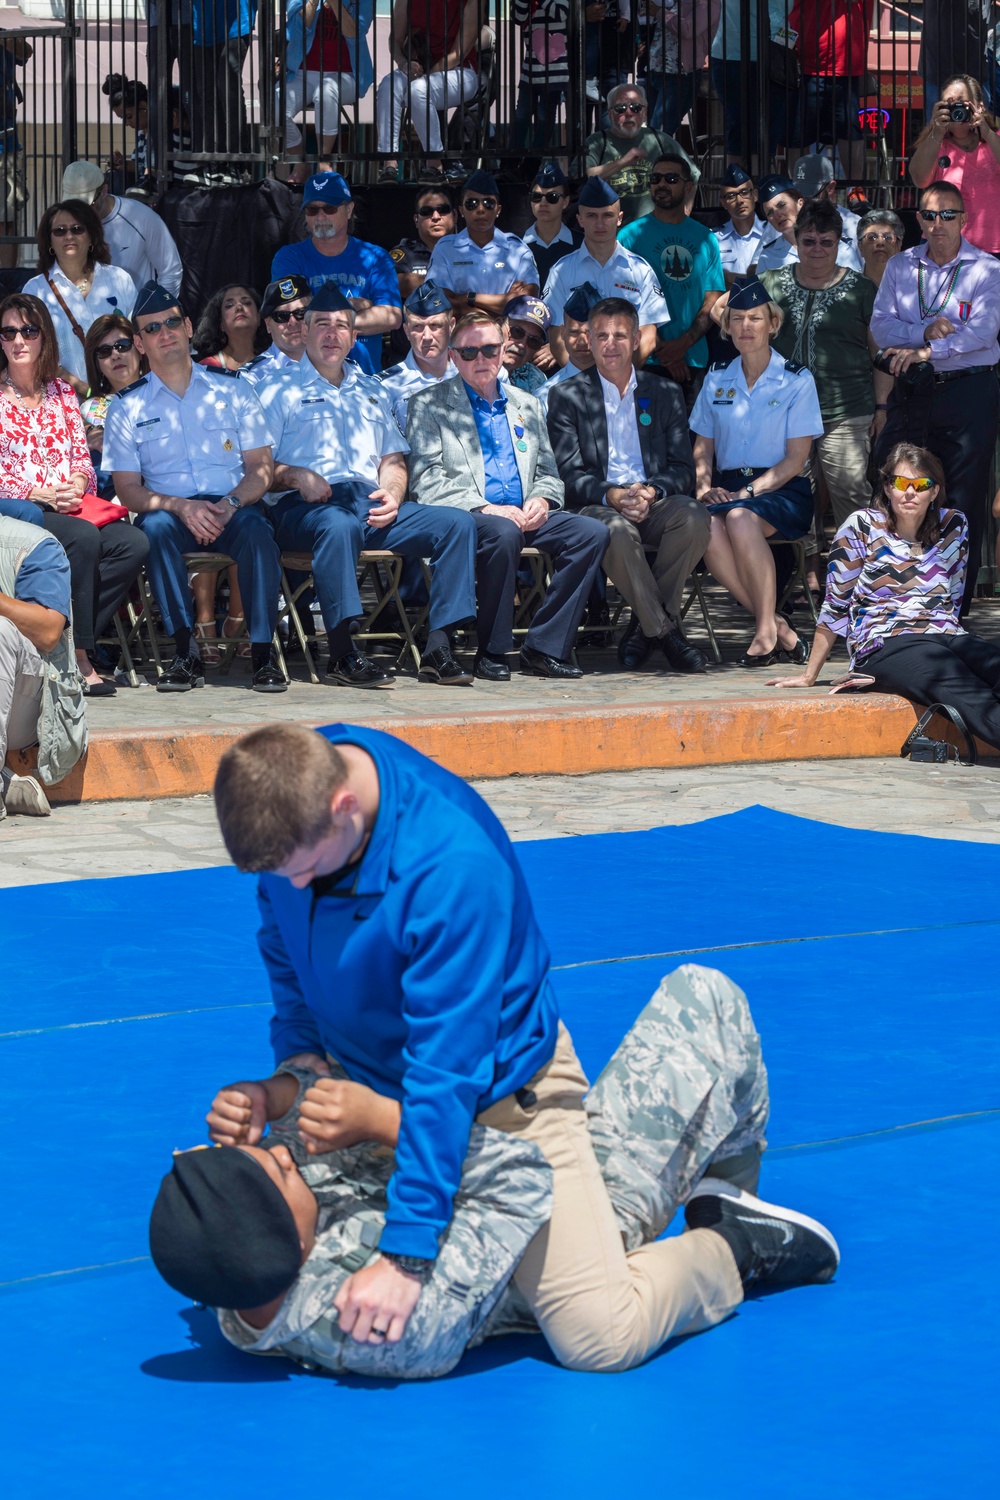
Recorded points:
(43, 577)
(362, 270)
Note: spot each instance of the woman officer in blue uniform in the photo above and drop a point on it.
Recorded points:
(754, 423)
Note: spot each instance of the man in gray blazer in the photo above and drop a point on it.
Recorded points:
(483, 447)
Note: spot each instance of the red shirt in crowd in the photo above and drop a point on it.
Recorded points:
(39, 449)
(434, 26)
(833, 36)
(328, 53)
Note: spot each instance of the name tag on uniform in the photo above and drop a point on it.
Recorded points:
(149, 422)
(313, 401)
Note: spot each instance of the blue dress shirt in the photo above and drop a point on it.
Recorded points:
(503, 482)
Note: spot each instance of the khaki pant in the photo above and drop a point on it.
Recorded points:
(842, 453)
(600, 1307)
(21, 670)
(677, 530)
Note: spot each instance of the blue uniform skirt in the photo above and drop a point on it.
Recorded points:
(789, 510)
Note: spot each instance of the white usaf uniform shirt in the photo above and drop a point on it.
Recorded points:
(738, 252)
(751, 429)
(462, 266)
(776, 251)
(404, 380)
(623, 275)
(273, 361)
(185, 445)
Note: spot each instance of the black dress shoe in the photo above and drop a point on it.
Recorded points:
(102, 689)
(634, 646)
(799, 652)
(269, 678)
(538, 664)
(766, 660)
(183, 674)
(440, 666)
(491, 669)
(681, 655)
(356, 670)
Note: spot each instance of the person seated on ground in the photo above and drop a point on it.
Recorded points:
(550, 237)
(40, 688)
(880, 237)
(444, 1006)
(340, 486)
(894, 592)
(282, 310)
(113, 363)
(739, 240)
(754, 424)
(362, 271)
(47, 478)
(622, 447)
(527, 322)
(623, 156)
(434, 49)
(230, 331)
(434, 216)
(815, 179)
(137, 238)
(77, 282)
(575, 337)
(481, 445)
(481, 266)
(609, 267)
(428, 322)
(190, 452)
(327, 65)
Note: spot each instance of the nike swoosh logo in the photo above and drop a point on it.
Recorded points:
(774, 1223)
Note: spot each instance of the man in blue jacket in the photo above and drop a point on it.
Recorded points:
(399, 937)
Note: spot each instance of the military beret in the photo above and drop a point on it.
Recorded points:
(288, 289)
(735, 176)
(153, 298)
(427, 300)
(580, 300)
(770, 187)
(529, 310)
(481, 182)
(549, 176)
(327, 187)
(596, 193)
(746, 292)
(221, 1232)
(330, 298)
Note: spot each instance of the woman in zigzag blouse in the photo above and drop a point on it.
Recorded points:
(893, 592)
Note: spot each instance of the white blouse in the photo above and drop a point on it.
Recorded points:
(112, 290)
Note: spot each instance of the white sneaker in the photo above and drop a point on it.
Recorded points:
(593, 92)
(24, 794)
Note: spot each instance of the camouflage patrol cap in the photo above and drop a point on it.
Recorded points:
(220, 1231)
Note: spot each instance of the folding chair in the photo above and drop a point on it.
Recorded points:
(379, 576)
(799, 574)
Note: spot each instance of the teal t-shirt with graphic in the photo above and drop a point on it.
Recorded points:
(686, 260)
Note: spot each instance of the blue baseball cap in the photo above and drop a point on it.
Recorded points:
(327, 187)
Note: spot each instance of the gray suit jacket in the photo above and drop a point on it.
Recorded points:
(446, 459)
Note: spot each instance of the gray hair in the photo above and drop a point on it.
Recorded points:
(626, 88)
(882, 216)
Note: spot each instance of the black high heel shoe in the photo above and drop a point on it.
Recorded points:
(799, 653)
(766, 660)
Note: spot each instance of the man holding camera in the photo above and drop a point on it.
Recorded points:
(936, 320)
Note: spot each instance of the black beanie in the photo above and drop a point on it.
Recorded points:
(221, 1232)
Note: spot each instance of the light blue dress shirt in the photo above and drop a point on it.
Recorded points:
(751, 429)
(462, 266)
(624, 274)
(503, 482)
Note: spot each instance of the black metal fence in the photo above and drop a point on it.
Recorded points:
(231, 90)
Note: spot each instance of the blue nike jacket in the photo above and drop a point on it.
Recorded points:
(426, 976)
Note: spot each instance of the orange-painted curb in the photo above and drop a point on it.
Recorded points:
(125, 764)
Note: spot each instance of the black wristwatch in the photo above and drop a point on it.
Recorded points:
(749, 490)
(470, 298)
(413, 1265)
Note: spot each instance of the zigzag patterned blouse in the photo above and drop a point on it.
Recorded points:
(879, 585)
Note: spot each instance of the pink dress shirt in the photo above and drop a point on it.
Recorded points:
(973, 306)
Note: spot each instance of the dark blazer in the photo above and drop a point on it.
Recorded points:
(578, 431)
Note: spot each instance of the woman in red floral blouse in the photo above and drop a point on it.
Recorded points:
(46, 477)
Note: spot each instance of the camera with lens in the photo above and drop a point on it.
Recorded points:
(960, 114)
(918, 380)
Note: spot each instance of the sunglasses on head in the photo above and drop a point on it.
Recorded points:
(173, 322)
(628, 109)
(548, 197)
(947, 214)
(902, 483)
(469, 352)
(430, 209)
(671, 177)
(312, 209)
(28, 331)
(120, 346)
(60, 229)
(470, 204)
(283, 314)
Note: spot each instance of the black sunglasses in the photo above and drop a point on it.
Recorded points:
(174, 322)
(469, 352)
(628, 109)
(671, 177)
(283, 314)
(430, 209)
(29, 331)
(120, 346)
(546, 197)
(947, 214)
(470, 204)
(58, 230)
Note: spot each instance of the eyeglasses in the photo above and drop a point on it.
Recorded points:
(283, 314)
(947, 214)
(174, 322)
(546, 197)
(734, 193)
(29, 331)
(469, 352)
(58, 230)
(312, 209)
(628, 109)
(878, 239)
(671, 177)
(471, 204)
(903, 482)
(120, 346)
(430, 209)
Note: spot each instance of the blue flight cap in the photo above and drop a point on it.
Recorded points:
(153, 298)
(327, 187)
(579, 302)
(427, 301)
(529, 310)
(596, 193)
(481, 182)
(735, 176)
(770, 187)
(288, 289)
(550, 176)
(747, 292)
(330, 298)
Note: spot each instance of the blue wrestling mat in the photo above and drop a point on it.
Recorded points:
(870, 961)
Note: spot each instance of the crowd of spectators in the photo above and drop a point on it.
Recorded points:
(623, 390)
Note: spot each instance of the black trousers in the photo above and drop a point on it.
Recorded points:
(576, 545)
(960, 670)
(104, 562)
(959, 424)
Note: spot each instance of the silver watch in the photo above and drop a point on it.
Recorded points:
(234, 501)
(749, 490)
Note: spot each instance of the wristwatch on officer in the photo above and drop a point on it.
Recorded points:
(470, 298)
(413, 1265)
(749, 490)
(233, 500)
